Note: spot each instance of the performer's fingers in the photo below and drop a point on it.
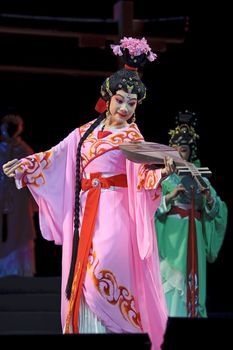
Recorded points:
(10, 167)
(9, 164)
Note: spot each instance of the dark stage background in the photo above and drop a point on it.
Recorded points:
(185, 76)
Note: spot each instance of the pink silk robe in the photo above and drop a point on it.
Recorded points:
(122, 285)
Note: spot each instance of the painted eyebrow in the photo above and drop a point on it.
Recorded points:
(131, 99)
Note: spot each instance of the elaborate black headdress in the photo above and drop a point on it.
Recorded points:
(184, 133)
(134, 53)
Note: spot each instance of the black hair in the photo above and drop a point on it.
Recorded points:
(126, 80)
(77, 204)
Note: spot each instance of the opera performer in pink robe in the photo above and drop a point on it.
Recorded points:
(100, 207)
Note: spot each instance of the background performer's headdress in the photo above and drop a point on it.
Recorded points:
(184, 133)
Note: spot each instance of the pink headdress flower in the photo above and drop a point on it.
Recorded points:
(136, 47)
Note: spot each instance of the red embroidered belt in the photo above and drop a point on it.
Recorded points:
(184, 212)
(93, 186)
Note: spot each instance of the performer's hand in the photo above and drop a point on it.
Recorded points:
(179, 189)
(209, 199)
(10, 167)
(169, 166)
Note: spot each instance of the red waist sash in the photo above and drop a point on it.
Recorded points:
(184, 212)
(192, 258)
(93, 186)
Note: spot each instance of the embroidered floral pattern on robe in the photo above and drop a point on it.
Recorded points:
(93, 147)
(106, 283)
(32, 168)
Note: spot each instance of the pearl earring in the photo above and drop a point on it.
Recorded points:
(134, 118)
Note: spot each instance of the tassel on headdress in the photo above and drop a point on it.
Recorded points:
(101, 105)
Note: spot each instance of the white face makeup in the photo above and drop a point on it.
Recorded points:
(184, 151)
(122, 107)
